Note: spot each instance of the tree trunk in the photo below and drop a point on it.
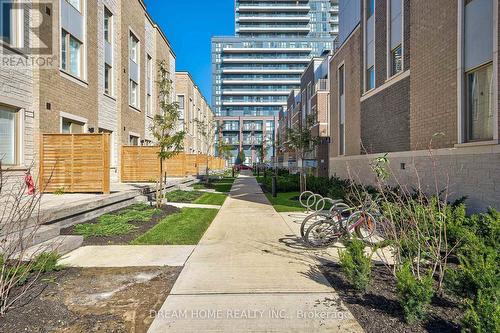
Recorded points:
(160, 182)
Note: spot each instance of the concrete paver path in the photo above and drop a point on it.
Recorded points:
(242, 278)
(128, 256)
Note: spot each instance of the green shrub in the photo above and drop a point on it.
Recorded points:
(482, 314)
(46, 262)
(414, 294)
(18, 273)
(356, 265)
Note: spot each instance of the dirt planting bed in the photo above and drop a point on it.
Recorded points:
(82, 300)
(378, 310)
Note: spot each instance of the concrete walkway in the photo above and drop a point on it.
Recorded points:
(243, 278)
(128, 256)
(190, 205)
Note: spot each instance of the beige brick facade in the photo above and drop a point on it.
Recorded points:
(196, 109)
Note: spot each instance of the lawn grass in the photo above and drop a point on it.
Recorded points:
(117, 224)
(286, 202)
(211, 199)
(222, 185)
(183, 196)
(196, 197)
(184, 228)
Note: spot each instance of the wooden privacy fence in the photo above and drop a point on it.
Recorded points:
(141, 164)
(74, 163)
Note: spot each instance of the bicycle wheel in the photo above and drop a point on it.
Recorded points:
(322, 234)
(314, 217)
(364, 225)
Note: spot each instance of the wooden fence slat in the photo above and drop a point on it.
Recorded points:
(74, 163)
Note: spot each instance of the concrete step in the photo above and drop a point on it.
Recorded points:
(30, 236)
(59, 244)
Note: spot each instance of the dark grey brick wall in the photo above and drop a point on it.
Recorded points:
(385, 119)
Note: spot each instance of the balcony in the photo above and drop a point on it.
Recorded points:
(287, 18)
(273, 8)
(265, 60)
(262, 71)
(242, 103)
(261, 81)
(322, 85)
(252, 127)
(304, 29)
(266, 50)
(255, 93)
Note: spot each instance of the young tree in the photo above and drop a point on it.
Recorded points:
(165, 129)
(240, 159)
(207, 129)
(300, 140)
(224, 150)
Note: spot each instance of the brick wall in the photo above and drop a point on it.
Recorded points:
(433, 81)
(132, 119)
(65, 93)
(350, 56)
(385, 119)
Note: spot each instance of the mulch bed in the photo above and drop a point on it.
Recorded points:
(82, 300)
(142, 227)
(378, 310)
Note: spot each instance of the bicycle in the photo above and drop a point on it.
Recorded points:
(324, 233)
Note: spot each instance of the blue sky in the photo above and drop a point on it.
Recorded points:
(189, 25)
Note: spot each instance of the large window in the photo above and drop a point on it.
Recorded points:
(181, 101)
(134, 48)
(134, 94)
(108, 80)
(71, 54)
(396, 60)
(479, 118)
(395, 36)
(6, 21)
(341, 85)
(478, 54)
(8, 136)
(149, 79)
(108, 25)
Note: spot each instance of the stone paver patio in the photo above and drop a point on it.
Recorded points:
(242, 277)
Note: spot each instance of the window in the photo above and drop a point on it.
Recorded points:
(134, 94)
(341, 85)
(370, 78)
(6, 21)
(180, 100)
(133, 140)
(134, 48)
(149, 79)
(75, 3)
(479, 117)
(396, 60)
(370, 8)
(108, 80)
(71, 54)
(71, 127)
(8, 136)
(108, 25)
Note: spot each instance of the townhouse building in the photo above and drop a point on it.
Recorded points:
(91, 66)
(312, 115)
(414, 75)
(194, 109)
